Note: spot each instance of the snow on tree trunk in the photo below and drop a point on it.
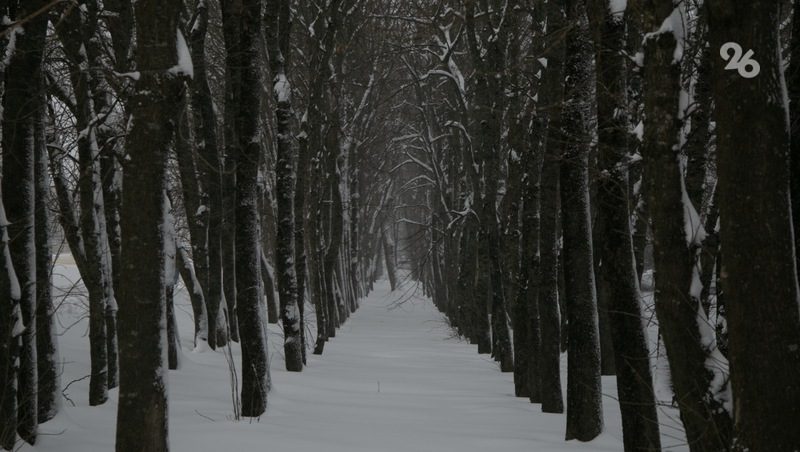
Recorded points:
(244, 32)
(759, 272)
(640, 426)
(48, 365)
(21, 111)
(195, 268)
(75, 35)
(210, 212)
(268, 279)
(706, 421)
(11, 327)
(196, 297)
(278, 22)
(142, 411)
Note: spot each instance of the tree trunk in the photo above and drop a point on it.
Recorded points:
(48, 365)
(679, 313)
(549, 313)
(759, 269)
(186, 269)
(793, 85)
(21, 112)
(194, 203)
(640, 426)
(268, 279)
(210, 168)
(75, 33)
(245, 80)
(11, 328)
(278, 21)
(142, 410)
(584, 389)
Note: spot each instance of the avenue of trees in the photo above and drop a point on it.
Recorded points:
(533, 166)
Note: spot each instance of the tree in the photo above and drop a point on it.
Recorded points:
(11, 327)
(759, 272)
(243, 22)
(160, 59)
(75, 33)
(584, 391)
(676, 233)
(210, 169)
(48, 366)
(634, 380)
(278, 32)
(549, 313)
(21, 110)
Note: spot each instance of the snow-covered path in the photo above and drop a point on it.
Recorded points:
(392, 380)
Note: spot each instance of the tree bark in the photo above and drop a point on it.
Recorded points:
(245, 19)
(679, 313)
(142, 411)
(48, 366)
(759, 271)
(549, 313)
(584, 389)
(640, 425)
(278, 25)
(210, 168)
(10, 329)
(21, 112)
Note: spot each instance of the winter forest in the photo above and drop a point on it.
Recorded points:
(400, 225)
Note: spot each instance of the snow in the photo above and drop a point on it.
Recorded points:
(715, 362)
(184, 66)
(617, 8)
(676, 24)
(692, 224)
(283, 90)
(15, 290)
(11, 45)
(393, 380)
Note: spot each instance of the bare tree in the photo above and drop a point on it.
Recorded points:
(21, 110)
(760, 274)
(142, 410)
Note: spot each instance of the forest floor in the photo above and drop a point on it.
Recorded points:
(393, 379)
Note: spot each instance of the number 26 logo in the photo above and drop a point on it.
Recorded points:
(746, 65)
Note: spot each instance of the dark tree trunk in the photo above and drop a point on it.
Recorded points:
(388, 257)
(142, 410)
(584, 389)
(467, 268)
(706, 422)
(549, 313)
(197, 222)
(10, 330)
(75, 33)
(278, 21)
(268, 279)
(48, 366)
(759, 273)
(607, 364)
(186, 269)
(173, 339)
(245, 80)
(491, 78)
(640, 426)
(527, 328)
(210, 168)
(793, 85)
(21, 112)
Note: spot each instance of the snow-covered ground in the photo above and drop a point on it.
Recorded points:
(394, 379)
